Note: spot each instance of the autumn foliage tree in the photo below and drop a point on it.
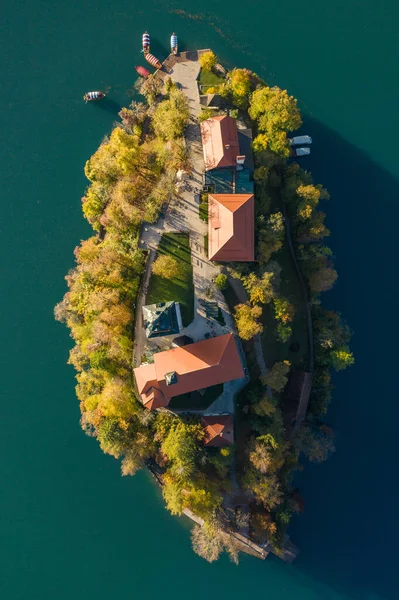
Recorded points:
(166, 266)
(276, 377)
(208, 60)
(247, 320)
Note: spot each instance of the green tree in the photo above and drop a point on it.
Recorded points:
(271, 237)
(246, 318)
(341, 359)
(261, 289)
(274, 110)
(171, 116)
(208, 60)
(284, 311)
(221, 281)
(166, 266)
(276, 377)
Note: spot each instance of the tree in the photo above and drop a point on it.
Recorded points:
(150, 88)
(276, 377)
(261, 289)
(274, 141)
(181, 446)
(313, 229)
(265, 407)
(166, 266)
(203, 503)
(208, 61)
(341, 359)
(171, 116)
(271, 237)
(221, 281)
(316, 442)
(206, 542)
(246, 318)
(134, 116)
(323, 279)
(309, 196)
(173, 495)
(284, 311)
(284, 332)
(240, 85)
(274, 110)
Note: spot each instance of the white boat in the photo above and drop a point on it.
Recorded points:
(173, 44)
(300, 151)
(300, 139)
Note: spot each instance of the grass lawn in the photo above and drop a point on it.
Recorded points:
(179, 289)
(195, 400)
(210, 79)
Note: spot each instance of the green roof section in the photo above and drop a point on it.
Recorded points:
(162, 319)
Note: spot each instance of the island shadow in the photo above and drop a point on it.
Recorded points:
(349, 530)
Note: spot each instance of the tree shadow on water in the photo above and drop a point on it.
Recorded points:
(348, 533)
(109, 105)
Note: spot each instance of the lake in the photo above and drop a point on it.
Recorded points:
(71, 527)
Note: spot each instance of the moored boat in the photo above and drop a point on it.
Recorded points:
(173, 43)
(142, 71)
(154, 62)
(146, 42)
(300, 151)
(90, 96)
(300, 139)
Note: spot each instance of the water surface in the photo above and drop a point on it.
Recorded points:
(71, 526)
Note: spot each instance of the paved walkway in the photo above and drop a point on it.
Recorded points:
(183, 215)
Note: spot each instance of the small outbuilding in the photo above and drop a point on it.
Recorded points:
(162, 319)
(219, 430)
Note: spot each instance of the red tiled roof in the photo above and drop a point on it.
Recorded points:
(196, 366)
(220, 142)
(219, 430)
(231, 227)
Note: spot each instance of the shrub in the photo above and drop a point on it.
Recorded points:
(221, 281)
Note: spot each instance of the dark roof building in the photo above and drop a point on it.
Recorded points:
(162, 319)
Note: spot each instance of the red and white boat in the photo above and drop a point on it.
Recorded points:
(154, 62)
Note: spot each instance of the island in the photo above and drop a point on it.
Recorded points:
(202, 348)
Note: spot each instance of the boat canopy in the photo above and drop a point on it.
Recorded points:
(302, 151)
(146, 39)
(300, 139)
(173, 41)
(94, 95)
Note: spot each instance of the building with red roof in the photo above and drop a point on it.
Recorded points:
(187, 369)
(231, 227)
(220, 142)
(219, 430)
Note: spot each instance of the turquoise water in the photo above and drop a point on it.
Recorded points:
(71, 527)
